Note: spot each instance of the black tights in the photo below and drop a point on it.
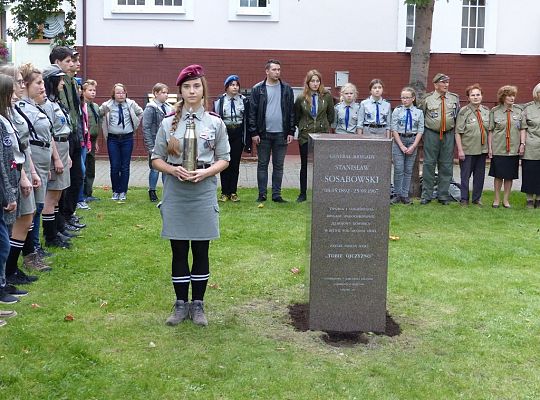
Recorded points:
(200, 270)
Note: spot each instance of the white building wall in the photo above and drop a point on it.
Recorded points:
(338, 25)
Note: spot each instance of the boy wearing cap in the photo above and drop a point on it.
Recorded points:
(232, 108)
(440, 109)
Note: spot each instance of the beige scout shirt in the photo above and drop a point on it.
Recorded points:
(468, 126)
(497, 126)
(431, 105)
(531, 122)
(212, 139)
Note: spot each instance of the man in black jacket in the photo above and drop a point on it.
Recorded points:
(271, 126)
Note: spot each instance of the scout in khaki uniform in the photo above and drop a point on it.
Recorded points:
(471, 141)
(440, 109)
(530, 137)
(504, 145)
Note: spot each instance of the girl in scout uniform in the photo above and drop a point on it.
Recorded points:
(407, 129)
(472, 144)
(313, 113)
(232, 107)
(374, 116)
(8, 193)
(40, 137)
(28, 179)
(121, 120)
(346, 111)
(189, 208)
(530, 140)
(12, 144)
(504, 144)
(59, 177)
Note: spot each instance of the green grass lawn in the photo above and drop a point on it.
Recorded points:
(463, 283)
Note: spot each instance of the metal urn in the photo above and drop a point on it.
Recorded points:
(190, 153)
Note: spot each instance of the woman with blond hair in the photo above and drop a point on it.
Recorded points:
(346, 111)
(504, 143)
(313, 113)
(189, 208)
(530, 137)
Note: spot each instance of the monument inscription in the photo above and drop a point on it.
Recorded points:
(349, 233)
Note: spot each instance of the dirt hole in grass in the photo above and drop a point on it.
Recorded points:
(300, 320)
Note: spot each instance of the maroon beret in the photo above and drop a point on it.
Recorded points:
(189, 73)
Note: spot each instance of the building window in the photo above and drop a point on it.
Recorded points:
(254, 10)
(53, 26)
(254, 7)
(473, 24)
(409, 25)
(148, 6)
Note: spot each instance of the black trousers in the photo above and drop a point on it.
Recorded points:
(71, 194)
(475, 166)
(90, 170)
(303, 167)
(229, 176)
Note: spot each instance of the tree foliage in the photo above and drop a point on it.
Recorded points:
(30, 15)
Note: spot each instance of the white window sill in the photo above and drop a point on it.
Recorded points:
(253, 11)
(148, 10)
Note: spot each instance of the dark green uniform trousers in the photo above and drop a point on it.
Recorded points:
(437, 153)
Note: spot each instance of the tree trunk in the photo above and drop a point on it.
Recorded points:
(418, 76)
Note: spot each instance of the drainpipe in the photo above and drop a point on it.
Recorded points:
(84, 49)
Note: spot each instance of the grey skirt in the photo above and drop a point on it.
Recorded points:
(190, 210)
(41, 156)
(26, 204)
(63, 180)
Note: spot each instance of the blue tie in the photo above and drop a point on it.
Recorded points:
(121, 116)
(163, 109)
(233, 111)
(408, 120)
(314, 105)
(347, 111)
(377, 121)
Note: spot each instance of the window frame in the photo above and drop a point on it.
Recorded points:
(147, 8)
(111, 10)
(268, 13)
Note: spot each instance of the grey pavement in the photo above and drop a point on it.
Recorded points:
(248, 174)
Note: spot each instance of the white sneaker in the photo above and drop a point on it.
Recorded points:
(115, 196)
(83, 205)
(122, 197)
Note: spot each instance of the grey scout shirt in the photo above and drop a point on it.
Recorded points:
(60, 121)
(212, 140)
(368, 113)
(399, 119)
(340, 110)
(232, 118)
(38, 119)
(116, 128)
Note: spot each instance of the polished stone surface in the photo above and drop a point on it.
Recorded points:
(349, 233)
